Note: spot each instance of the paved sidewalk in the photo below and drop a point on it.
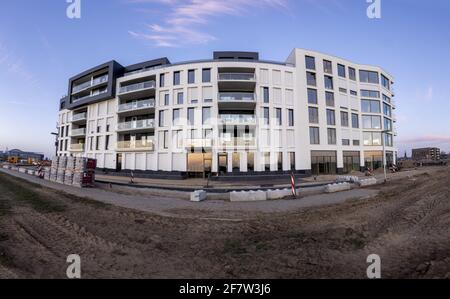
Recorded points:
(166, 205)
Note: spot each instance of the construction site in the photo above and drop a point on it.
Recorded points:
(123, 230)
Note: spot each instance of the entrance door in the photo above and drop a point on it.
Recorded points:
(223, 163)
(119, 162)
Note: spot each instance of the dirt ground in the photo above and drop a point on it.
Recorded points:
(408, 225)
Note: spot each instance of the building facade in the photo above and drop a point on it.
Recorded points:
(235, 113)
(429, 153)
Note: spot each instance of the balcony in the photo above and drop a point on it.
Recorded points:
(77, 147)
(92, 94)
(238, 142)
(135, 145)
(89, 84)
(237, 81)
(138, 125)
(136, 106)
(237, 100)
(237, 119)
(78, 132)
(198, 143)
(138, 90)
(79, 118)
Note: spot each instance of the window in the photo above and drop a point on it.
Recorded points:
(331, 136)
(355, 121)
(176, 117)
(356, 143)
(346, 142)
(166, 100)
(342, 90)
(387, 110)
(91, 143)
(162, 80)
(352, 73)
(266, 116)
(387, 124)
(278, 116)
(191, 76)
(99, 129)
(385, 82)
(311, 79)
(329, 97)
(327, 67)
(67, 131)
(97, 143)
(180, 98)
(166, 139)
(370, 94)
(161, 118)
(62, 131)
(65, 144)
(206, 115)
(328, 82)
(176, 78)
(291, 117)
(386, 98)
(313, 115)
(206, 75)
(191, 116)
(314, 137)
(312, 96)
(344, 119)
(107, 142)
(331, 119)
(369, 77)
(371, 122)
(388, 141)
(266, 94)
(292, 160)
(372, 138)
(310, 63)
(107, 128)
(370, 106)
(353, 93)
(341, 71)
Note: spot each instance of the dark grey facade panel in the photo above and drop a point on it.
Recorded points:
(235, 55)
(147, 64)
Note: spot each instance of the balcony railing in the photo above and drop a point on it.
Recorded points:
(78, 132)
(137, 86)
(237, 97)
(238, 142)
(89, 84)
(198, 143)
(136, 145)
(150, 103)
(79, 147)
(79, 116)
(90, 95)
(237, 119)
(237, 77)
(136, 125)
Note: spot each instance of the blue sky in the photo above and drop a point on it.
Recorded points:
(40, 48)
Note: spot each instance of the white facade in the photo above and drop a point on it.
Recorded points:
(219, 126)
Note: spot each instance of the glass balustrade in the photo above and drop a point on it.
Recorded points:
(137, 86)
(136, 125)
(136, 144)
(78, 132)
(79, 116)
(150, 103)
(237, 119)
(237, 97)
(237, 77)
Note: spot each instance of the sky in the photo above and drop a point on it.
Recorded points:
(41, 48)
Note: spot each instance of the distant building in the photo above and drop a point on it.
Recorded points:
(21, 155)
(429, 153)
(444, 156)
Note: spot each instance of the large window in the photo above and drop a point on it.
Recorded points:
(314, 135)
(166, 100)
(176, 78)
(352, 73)
(372, 138)
(206, 75)
(162, 121)
(370, 94)
(266, 116)
(385, 82)
(344, 119)
(371, 122)
(331, 118)
(180, 98)
(329, 98)
(206, 115)
(368, 77)
(162, 80)
(387, 110)
(176, 117)
(312, 96)
(388, 140)
(310, 63)
(387, 124)
(311, 79)
(313, 115)
(331, 136)
(328, 82)
(191, 76)
(341, 71)
(278, 116)
(292, 160)
(386, 98)
(191, 116)
(355, 121)
(290, 117)
(370, 106)
(327, 67)
(266, 94)
(323, 162)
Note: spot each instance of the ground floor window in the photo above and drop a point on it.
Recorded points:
(292, 161)
(250, 162)
(280, 161)
(267, 161)
(351, 161)
(199, 164)
(323, 162)
(236, 162)
(223, 162)
(373, 160)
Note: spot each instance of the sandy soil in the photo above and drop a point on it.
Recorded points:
(408, 225)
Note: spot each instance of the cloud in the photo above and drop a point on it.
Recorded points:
(185, 21)
(431, 139)
(15, 66)
(429, 94)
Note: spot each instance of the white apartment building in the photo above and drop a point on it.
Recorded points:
(231, 115)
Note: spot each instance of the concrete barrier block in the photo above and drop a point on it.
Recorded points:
(368, 182)
(198, 196)
(7, 166)
(22, 170)
(248, 196)
(348, 179)
(278, 194)
(332, 188)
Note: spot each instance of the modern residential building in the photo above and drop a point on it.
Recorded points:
(429, 153)
(234, 113)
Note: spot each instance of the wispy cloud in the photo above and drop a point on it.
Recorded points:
(431, 139)
(14, 65)
(185, 20)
